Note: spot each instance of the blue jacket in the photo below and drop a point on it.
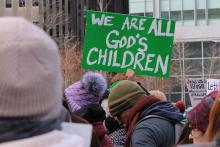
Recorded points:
(155, 131)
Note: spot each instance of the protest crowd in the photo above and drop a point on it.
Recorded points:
(35, 110)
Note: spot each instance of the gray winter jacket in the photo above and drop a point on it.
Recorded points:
(154, 131)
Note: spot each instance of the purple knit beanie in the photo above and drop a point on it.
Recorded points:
(88, 90)
(198, 117)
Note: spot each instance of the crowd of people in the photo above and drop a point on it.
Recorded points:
(35, 111)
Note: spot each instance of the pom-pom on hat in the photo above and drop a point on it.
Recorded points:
(89, 90)
(198, 117)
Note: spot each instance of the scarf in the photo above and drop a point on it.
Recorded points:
(134, 114)
(20, 128)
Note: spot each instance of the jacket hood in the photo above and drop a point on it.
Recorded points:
(163, 109)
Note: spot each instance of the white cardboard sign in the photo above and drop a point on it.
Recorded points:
(213, 85)
(197, 89)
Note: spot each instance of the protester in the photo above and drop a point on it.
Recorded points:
(149, 122)
(95, 115)
(115, 131)
(31, 88)
(213, 130)
(89, 90)
(198, 117)
(158, 94)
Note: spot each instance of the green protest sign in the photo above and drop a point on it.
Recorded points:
(117, 42)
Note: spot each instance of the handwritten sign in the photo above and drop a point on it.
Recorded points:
(197, 89)
(117, 42)
(213, 85)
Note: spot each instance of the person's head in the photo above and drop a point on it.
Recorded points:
(158, 94)
(180, 105)
(89, 90)
(31, 83)
(198, 117)
(92, 113)
(122, 97)
(213, 130)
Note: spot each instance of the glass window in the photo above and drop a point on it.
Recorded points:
(57, 30)
(164, 15)
(50, 4)
(214, 13)
(188, 9)
(211, 49)
(136, 7)
(200, 14)
(212, 4)
(51, 32)
(201, 6)
(21, 3)
(188, 14)
(175, 84)
(193, 50)
(140, 14)
(164, 9)
(35, 3)
(176, 8)
(149, 5)
(150, 14)
(176, 67)
(193, 66)
(212, 66)
(149, 8)
(8, 4)
(175, 15)
(177, 51)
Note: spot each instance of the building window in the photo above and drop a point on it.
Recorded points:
(50, 4)
(142, 7)
(63, 5)
(64, 30)
(8, 4)
(164, 9)
(35, 3)
(57, 5)
(214, 11)
(21, 3)
(201, 6)
(175, 9)
(51, 32)
(57, 31)
(188, 10)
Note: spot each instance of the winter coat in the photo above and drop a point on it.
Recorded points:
(154, 131)
(50, 139)
(101, 132)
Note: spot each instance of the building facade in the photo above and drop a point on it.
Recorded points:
(79, 8)
(197, 38)
(51, 15)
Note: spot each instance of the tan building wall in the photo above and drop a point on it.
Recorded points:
(51, 15)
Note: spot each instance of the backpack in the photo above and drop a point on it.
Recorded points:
(177, 126)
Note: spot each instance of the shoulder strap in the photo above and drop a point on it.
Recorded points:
(154, 116)
(177, 126)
